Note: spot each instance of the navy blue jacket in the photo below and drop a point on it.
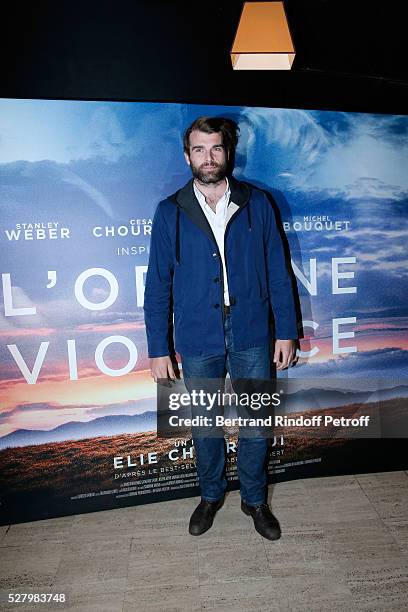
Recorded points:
(185, 274)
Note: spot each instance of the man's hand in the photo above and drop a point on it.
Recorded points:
(285, 353)
(162, 368)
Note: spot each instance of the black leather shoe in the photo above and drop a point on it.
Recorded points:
(203, 516)
(264, 521)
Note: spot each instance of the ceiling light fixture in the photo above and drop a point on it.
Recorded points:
(263, 40)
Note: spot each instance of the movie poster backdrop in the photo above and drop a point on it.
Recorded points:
(79, 184)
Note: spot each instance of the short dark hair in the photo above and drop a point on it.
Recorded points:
(228, 128)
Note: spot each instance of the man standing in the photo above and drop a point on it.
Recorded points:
(217, 259)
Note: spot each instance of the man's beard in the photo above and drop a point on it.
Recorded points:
(206, 176)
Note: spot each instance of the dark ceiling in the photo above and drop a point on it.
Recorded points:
(350, 55)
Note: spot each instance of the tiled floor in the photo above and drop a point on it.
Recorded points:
(344, 546)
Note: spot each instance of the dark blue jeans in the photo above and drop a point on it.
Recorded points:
(210, 451)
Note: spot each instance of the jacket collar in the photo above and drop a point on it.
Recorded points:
(186, 200)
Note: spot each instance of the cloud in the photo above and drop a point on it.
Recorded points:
(124, 326)
(308, 150)
(91, 191)
(376, 236)
(391, 128)
(291, 142)
(103, 136)
(20, 299)
(71, 130)
(20, 332)
(380, 363)
(369, 187)
(25, 408)
(129, 408)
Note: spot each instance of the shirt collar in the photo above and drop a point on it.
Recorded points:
(201, 197)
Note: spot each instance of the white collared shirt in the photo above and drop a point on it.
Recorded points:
(218, 221)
